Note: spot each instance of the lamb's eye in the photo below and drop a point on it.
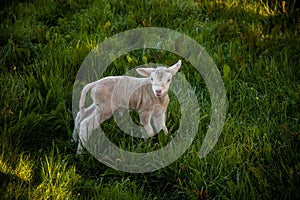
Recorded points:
(151, 79)
(168, 80)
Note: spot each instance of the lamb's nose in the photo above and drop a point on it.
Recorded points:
(158, 91)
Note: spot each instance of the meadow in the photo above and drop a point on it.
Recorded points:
(256, 47)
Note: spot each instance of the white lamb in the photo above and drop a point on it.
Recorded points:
(148, 96)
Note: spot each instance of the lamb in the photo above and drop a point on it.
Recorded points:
(148, 96)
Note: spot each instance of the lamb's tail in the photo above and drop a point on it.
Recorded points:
(85, 90)
(82, 111)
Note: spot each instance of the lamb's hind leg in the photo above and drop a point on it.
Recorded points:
(76, 127)
(91, 123)
(86, 127)
(104, 111)
(79, 118)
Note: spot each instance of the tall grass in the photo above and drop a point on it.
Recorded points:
(255, 45)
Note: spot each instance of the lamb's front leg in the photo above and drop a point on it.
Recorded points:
(145, 118)
(159, 122)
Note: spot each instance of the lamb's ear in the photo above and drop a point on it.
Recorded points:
(145, 71)
(173, 69)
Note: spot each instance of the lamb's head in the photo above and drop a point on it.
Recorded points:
(161, 77)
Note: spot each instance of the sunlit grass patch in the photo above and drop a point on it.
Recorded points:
(16, 175)
(58, 179)
(23, 170)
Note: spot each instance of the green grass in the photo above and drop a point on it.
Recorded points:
(255, 45)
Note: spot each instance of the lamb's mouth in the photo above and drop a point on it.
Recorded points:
(158, 94)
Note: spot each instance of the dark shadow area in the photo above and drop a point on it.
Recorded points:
(7, 191)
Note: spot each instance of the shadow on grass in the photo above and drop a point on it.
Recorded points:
(8, 187)
(37, 133)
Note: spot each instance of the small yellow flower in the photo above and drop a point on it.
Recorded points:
(107, 25)
(14, 68)
(10, 112)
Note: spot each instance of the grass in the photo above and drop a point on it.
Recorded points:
(255, 45)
